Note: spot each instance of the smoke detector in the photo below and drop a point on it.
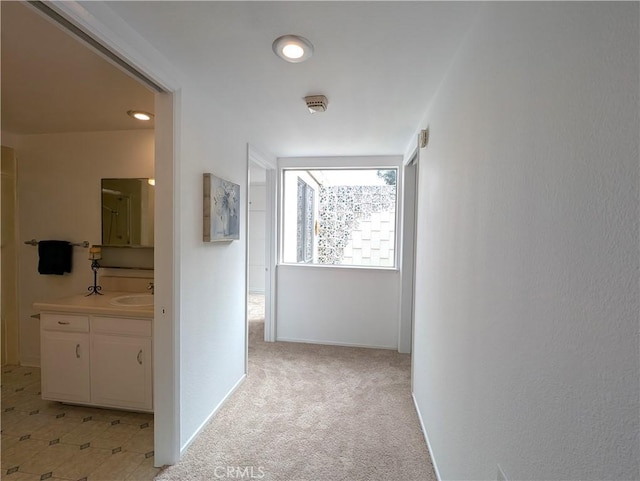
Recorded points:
(316, 103)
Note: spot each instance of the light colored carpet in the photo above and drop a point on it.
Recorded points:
(313, 413)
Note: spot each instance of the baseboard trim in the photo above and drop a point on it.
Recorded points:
(426, 438)
(213, 413)
(30, 362)
(336, 343)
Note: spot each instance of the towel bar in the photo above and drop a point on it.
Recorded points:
(84, 244)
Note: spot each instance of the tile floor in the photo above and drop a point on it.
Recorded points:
(48, 440)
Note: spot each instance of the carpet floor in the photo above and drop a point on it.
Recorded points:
(313, 413)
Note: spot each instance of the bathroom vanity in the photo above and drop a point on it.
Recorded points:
(97, 350)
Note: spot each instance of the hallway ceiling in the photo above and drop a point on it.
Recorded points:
(379, 64)
(53, 83)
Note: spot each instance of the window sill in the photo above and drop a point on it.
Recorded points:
(334, 266)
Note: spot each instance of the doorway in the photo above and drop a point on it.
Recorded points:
(75, 18)
(256, 250)
(9, 251)
(261, 240)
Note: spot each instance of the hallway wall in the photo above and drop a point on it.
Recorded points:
(526, 330)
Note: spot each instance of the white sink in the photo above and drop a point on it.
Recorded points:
(133, 300)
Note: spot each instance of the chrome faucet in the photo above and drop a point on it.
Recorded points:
(150, 287)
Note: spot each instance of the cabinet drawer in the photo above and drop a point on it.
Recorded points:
(121, 326)
(64, 322)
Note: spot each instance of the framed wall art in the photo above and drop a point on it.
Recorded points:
(221, 209)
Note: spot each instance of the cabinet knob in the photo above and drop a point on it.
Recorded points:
(63, 323)
(140, 357)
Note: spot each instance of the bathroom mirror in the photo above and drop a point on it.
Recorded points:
(127, 212)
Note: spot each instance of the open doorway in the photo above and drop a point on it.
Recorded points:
(256, 250)
(107, 148)
(261, 244)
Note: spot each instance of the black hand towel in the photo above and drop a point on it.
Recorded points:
(55, 257)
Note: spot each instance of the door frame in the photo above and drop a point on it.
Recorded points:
(407, 266)
(10, 333)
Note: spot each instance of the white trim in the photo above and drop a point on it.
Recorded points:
(265, 161)
(333, 343)
(210, 416)
(408, 159)
(426, 438)
(415, 155)
(340, 162)
(407, 250)
(167, 282)
(246, 263)
(339, 266)
(30, 362)
(271, 256)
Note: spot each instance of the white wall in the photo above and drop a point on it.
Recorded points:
(212, 274)
(338, 305)
(257, 237)
(59, 197)
(526, 334)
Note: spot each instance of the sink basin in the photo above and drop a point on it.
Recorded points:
(133, 300)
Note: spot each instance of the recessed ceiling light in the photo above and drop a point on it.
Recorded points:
(140, 115)
(292, 48)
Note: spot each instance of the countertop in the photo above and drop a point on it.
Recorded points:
(95, 304)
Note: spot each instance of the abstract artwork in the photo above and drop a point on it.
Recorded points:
(221, 209)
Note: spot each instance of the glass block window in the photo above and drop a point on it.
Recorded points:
(340, 217)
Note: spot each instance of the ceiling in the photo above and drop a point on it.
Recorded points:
(379, 64)
(52, 83)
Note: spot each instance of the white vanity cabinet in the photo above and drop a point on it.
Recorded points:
(98, 360)
(65, 357)
(121, 374)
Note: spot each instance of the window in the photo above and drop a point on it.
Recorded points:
(340, 217)
(305, 217)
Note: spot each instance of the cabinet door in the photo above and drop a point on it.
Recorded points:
(65, 366)
(121, 374)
